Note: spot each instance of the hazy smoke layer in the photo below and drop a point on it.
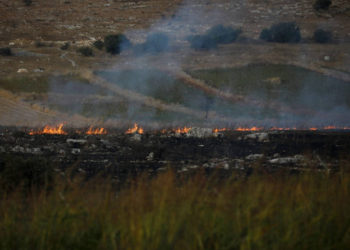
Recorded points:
(147, 88)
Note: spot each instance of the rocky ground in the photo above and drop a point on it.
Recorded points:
(122, 154)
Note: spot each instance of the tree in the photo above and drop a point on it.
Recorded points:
(285, 32)
(322, 4)
(322, 36)
(114, 44)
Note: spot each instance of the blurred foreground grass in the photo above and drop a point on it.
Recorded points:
(263, 211)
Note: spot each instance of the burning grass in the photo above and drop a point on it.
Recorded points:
(137, 129)
(307, 211)
(58, 130)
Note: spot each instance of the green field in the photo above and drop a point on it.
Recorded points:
(283, 94)
(287, 84)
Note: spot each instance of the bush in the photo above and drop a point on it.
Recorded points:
(98, 44)
(114, 44)
(223, 35)
(216, 35)
(322, 4)
(265, 35)
(27, 2)
(5, 52)
(85, 51)
(65, 46)
(322, 36)
(282, 33)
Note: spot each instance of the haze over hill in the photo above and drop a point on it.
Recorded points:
(36, 35)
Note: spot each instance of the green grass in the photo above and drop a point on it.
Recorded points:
(297, 85)
(281, 85)
(25, 84)
(307, 211)
(159, 85)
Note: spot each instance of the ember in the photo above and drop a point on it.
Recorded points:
(50, 130)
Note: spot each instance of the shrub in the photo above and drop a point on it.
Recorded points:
(65, 46)
(216, 35)
(98, 44)
(223, 35)
(114, 44)
(5, 52)
(287, 32)
(265, 35)
(322, 4)
(85, 51)
(322, 36)
(27, 2)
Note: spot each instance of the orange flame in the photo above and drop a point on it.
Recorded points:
(135, 129)
(249, 129)
(96, 131)
(217, 130)
(183, 130)
(330, 127)
(58, 130)
(50, 130)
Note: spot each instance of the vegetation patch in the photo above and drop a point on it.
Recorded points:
(25, 84)
(322, 36)
(322, 4)
(114, 44)
(86, 51)
(158, 85)
(65, 46)
(216, 35)
(28, 2)
(284, 83)
(308, 211)
(286, 32)
(99, 44)
(5, 52)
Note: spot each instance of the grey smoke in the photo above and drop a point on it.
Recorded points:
(328, 106)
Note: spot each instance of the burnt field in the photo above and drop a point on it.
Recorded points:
(120, 155)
